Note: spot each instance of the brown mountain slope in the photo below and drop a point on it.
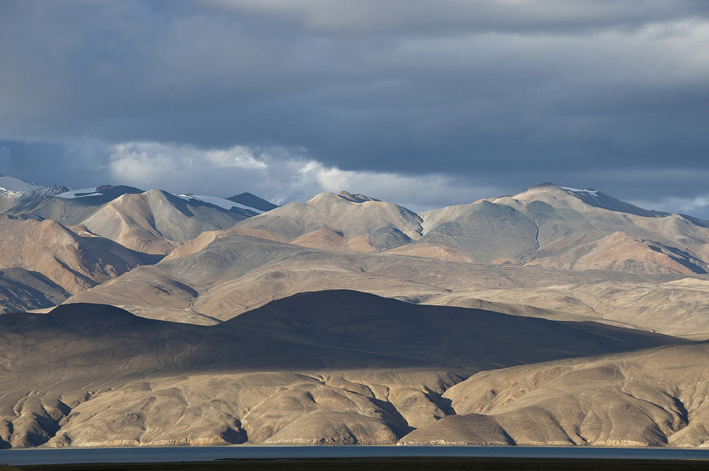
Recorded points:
(546, 224)
(672, 306)
(95, 375)
(232, 274)
(564, 228)
(156, 221)
(343, 221)
(149, 293)
(485, 232)
(623, 252)
(153, 221)
(653, 398)
(290, 277)
(75, 263)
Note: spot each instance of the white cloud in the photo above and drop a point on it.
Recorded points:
(374, 16)
(150, 163)
(697, 206)
(279, 174)
(132, 156)
(413, 191)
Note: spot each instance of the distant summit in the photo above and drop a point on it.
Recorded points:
(15, 192)
(595, 198)
(152, 222)
(602, 200)
(17, 187)
(253, 201)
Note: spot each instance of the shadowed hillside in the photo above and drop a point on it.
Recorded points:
(223, 274)
(268, 346)
(82, 362)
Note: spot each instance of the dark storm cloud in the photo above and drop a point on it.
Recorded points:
(52, 163)
(501, 93)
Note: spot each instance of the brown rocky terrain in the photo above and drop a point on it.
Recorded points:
(340, 222)
(104, 229)
(569, 229)
(328, 367)
(230, 338)
(652, 398)
(231, 274)
(152, 222)
(672, 306)
(70, 261)
(156, 221)
(544, 225)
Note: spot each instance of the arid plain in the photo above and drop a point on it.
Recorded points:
(551, 317)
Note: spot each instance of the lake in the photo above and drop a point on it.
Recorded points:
(38, 456)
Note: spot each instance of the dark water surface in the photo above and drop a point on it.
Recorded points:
(176, 454)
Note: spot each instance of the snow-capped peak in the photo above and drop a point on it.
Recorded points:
(15, 185)
(15, 188)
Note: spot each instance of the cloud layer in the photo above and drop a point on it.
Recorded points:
(494, 95)
(278, 174)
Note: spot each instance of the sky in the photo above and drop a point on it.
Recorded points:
(421, 103)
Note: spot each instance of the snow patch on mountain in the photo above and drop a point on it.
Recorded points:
(100, 191)
(220, 202)
(82, 193)
(576, 190)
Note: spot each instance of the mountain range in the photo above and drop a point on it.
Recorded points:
(555, 316)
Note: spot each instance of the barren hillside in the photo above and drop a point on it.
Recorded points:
(329, 367)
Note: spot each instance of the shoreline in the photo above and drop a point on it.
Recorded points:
(267, 457)
(387, 463)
